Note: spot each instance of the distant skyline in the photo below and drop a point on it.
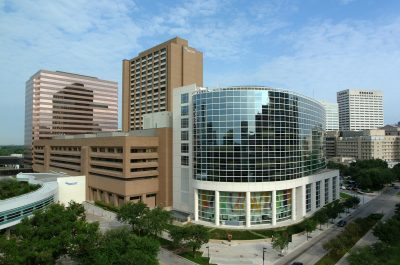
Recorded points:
(315, 48)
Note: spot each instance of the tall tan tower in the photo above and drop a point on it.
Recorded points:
(149, 78)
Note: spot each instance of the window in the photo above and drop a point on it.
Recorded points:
(184, 110)
(185, 148)
(184, 135)
(334, 187)
(318, 194)
(184, 98)
(326, 191)
(185, 123)
(184, 160)
(261, 207)
(308, 197)
(206, 205)
(283, 204)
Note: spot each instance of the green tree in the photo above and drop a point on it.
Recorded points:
(339, 207)
(351, 202)
(49, 234)
(190, 236)
(310, 225)
(321, 217)
(11, 188)
(157, 220)
(144, 221)
(370, 163)
(280, 241)
(355, 200)
(343, 169)
(362, 256)
(119, 246)
(388, 232)
(334, 245)
(396, 171)
(135, 215)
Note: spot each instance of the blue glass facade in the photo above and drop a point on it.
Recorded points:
(256, 134)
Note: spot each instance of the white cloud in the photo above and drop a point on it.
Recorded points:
(220, 29)
(328, 57)
(87, 37)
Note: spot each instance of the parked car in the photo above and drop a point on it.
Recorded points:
(341, 223)
(297, 263)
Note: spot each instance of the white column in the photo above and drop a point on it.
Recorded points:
(196, 204)
(248, 207)
(303, 200)
(273, 207)
(338, 187)
(216, 214)
(313, 195)
(330, 196)
(294, 204)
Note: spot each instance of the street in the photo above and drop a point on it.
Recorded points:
(313, 251)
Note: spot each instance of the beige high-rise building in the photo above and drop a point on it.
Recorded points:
(59, 103)
(360, 109)
(149, 78)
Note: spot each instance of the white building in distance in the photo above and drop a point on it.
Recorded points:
(331, 115)
(360, 109)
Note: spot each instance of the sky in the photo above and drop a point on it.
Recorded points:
(313, 47)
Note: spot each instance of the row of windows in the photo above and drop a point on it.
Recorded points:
(107, 149)
(232, 205)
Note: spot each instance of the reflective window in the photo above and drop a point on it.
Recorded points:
(184, 110)
(308, 197)
(206, 205)
(184, 98)
(184, 160)
(326, 191)
(283, 205)
(184, 123)
(261, 207)
(256, 135)
(232, 207)
(184, 135)
(184, 148)
(334, 193)
(318, 194)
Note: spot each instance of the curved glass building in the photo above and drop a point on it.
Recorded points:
(256, 134)
(256, 155)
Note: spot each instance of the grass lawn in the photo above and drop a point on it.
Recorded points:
(217, 233)
(187, 254)
(106, 206)
(345, 196)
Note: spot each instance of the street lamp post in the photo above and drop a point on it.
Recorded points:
(264, 249)
(208, 253)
